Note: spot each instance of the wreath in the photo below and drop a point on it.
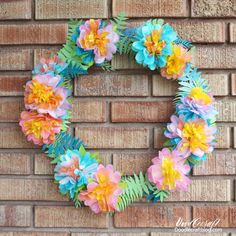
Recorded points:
(78, 173)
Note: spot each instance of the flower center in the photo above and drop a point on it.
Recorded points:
(95, 39)
(199, 95)
(43, 95)
(195, 136)
(170, 174)
(70, 170)
(104, 189)
(38, 125)
(153, 43)
(175, 61)
(34, 127)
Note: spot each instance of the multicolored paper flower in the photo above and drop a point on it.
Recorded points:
(52, 65)
(169, 170)
(97, 39)
(192, 137)
(154, 44)
(74, 170)
(176, 63)
(44, 95)
(102, 194)
(198, 104)
(40, 128)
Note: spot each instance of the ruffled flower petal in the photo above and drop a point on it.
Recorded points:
(168, 171)
(102, 194)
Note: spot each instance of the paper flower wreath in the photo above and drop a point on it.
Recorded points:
(78, 173)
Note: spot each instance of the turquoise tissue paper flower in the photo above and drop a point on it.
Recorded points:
(153, 43)
(74, 170)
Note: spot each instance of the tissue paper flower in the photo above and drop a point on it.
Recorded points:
(198, 104)
(40, 128)
(169, 170)
(93, 35)
(102, 194)
(193, 137)
(44, 95)
(176, 63)
(51, 65)
(74, 170)
(154, 44)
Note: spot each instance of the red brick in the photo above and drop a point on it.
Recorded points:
(163, 87)
(226, 110)
(44, 53)
(13, 85)
(218, 84)
(124, 62)
(35, 233)
(218, 163)
(111, 85)
(56, 9)
(33, 34)
(109, 137)
(139, 162)
(15, 59)
(233, 81)
(108, 234)
(15, 163)
(11, 136)
(210, 57)
(88, 111)
(42, 165)
(141, 111)
(186, 234)
(10, 109)
(15, 9)
(19, 216)
(195, 31)
(232, 30)
(151, 8)
(223, 137)
(29, 190)
(151, 216)
(68, 217)
(218, 8)
(234, 137)
(204, 190)
(159, 137)
(226, 214)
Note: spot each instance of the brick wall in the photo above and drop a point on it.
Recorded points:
(121, 114)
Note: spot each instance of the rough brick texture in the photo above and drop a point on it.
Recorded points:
(152, 216)
(15, 59)
(68, 217)
(216, 8)
(120, 114)
(39, 34)
(225, 213)
(114, 137)
(15, 9)
(151, 8)
(19, 216)
(56, 9)
(13, 85)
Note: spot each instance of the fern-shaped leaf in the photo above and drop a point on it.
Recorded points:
(136, 188)
(120, 23)
(106, 66)
(63, 142)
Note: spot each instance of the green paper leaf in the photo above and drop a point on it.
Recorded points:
(82, 150)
